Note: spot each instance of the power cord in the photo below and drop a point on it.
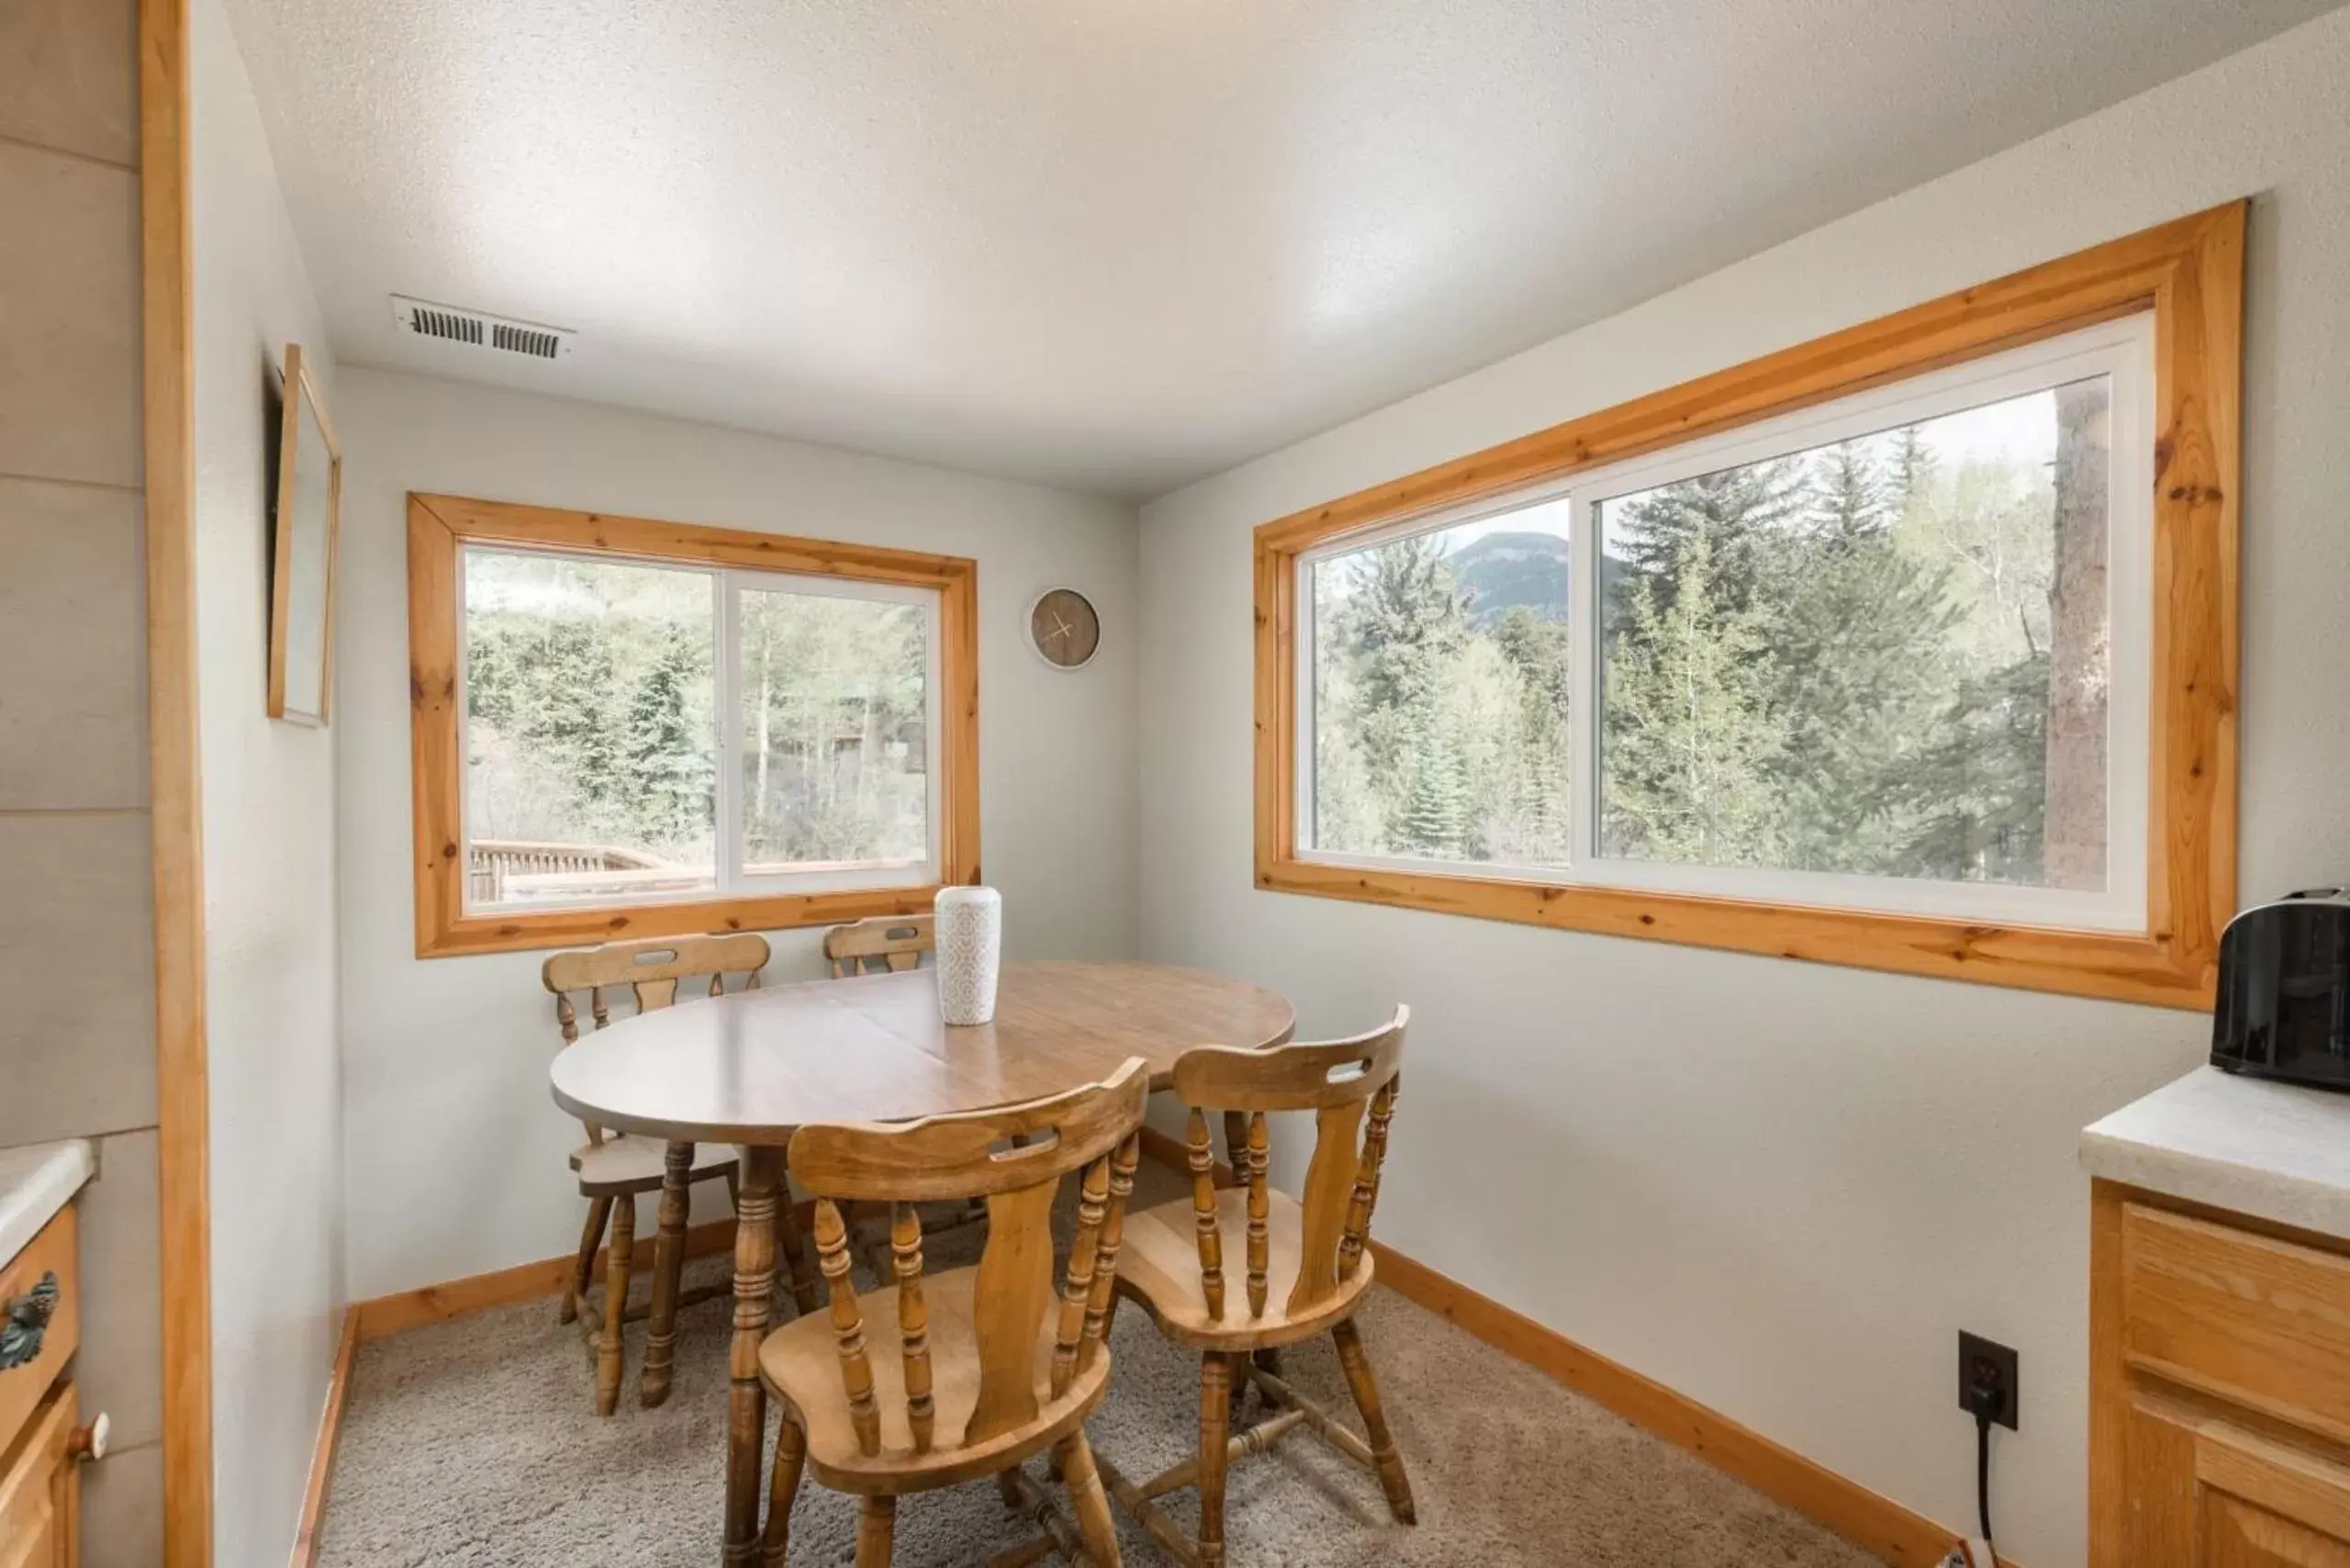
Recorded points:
(1983, 1398)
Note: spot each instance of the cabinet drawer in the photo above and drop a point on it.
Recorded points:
(2262, 1322)
(42, 1273)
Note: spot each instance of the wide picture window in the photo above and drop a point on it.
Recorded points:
(1885, 676)
(645, 745)
(1865, 655)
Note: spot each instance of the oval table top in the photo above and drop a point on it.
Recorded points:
(751, 1066)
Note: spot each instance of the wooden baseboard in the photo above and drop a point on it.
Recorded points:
(525, 1282)
(314, 1495)
(1873, 1522)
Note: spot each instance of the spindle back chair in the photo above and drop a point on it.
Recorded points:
(613, 1169)
(934, 1380)
(1306, 1263)
(884, 943)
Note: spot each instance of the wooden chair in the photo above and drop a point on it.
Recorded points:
(614, 1167)
(882, 945)
(890, 944)
(1306, 1264)
(939, 1380)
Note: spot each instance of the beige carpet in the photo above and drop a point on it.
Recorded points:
(475, 1442)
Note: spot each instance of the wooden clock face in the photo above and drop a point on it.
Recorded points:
(1064, 628)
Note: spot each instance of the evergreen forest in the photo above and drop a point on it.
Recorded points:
(1886, 656)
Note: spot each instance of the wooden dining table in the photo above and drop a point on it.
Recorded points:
(753, 1067)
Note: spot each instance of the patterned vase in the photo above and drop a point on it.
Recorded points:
(970, 953)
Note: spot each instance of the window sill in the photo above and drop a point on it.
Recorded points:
(539, 930)
(2158, 971)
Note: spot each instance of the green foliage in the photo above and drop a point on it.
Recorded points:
(1690, 734)
(669, 771)
(591, 689)
(1835, 661)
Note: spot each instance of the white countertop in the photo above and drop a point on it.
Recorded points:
(36, 1180)
(2272, 1150)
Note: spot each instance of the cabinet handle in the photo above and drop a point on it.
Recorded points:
(26, 1322)
(89, 1443)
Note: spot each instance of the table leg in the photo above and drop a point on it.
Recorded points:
(669, 1265)
(762, 1178)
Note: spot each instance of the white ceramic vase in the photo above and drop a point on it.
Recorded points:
(970, 953)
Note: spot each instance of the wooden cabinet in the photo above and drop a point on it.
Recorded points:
(2219, 1389)
(41, 1490)
(41, 1442)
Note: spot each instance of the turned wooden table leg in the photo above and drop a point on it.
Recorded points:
(746, 1411)
(669, 1265)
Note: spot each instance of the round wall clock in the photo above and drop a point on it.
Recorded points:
(1064, 627)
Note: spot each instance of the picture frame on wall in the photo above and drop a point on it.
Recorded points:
(302, 555)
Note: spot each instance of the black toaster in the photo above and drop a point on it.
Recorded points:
(2283, 1010)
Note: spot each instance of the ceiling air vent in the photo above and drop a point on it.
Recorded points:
(480, 329)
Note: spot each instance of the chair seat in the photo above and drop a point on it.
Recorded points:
(800, 1361)
(627, 1163)
(1159, 1266)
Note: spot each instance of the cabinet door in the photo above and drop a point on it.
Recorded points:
(2204, 1493)
(39, 1491)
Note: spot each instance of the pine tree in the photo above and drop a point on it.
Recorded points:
(1689, 733)
(1852, 499)
(1740, 515)
(567, 706)
(1542, 651)
(670, 769)
(1435, 816)
(1401, 623)
(1865, 671)
(1979, 788)
(1914, 465)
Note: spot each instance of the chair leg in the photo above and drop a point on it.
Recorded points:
(1215, 1428)
(790, 1452)
(1075, 1459)
(795, 1253)
(1389, 1463)
(616, 1260)
(591, 1235)
(877, 1531)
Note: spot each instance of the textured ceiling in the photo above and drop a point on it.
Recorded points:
(1116, 244)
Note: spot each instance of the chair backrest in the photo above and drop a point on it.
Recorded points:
(652, 967)
(1094, 1129)
(1338, 1080)
(881, 944)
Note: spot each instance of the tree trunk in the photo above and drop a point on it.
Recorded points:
(2079, 645)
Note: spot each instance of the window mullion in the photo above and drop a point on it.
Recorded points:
(725, 689)
(1583, 555)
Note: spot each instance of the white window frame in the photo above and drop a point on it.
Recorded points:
(2122, 350)
(727, 586)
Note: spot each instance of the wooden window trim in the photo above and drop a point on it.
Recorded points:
(438, 525)
(2189, 273)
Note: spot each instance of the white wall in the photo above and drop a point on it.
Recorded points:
(456, 1152)
(1778, 1188)
(269, 849)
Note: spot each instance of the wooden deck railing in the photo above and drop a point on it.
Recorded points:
(503, 870)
